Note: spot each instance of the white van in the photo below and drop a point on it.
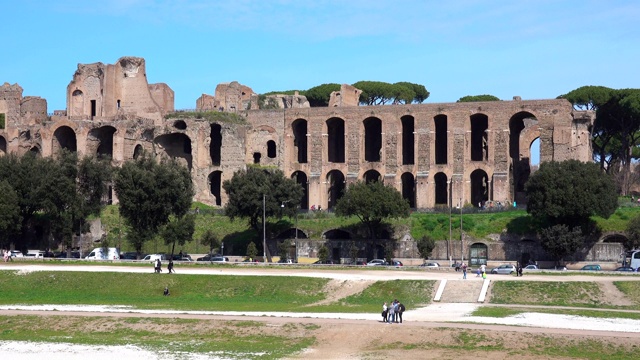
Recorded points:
(38, 254)
(152, 257)
(98, 254)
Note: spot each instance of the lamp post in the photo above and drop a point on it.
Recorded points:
(264, 229)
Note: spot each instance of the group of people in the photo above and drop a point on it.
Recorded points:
(157, 267)
(392, 313)
(6, 255)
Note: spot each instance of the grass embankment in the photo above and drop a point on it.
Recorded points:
(236, 234)
(200, 292)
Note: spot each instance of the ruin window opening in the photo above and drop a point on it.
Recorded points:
(371, 176)
(3, 146)
(118, 103)
(180, 125)
(271, 149)
(336, 144)
(215, 147)
(176, 146)
(479, 188)
(215, 184)
(408, 142)
(409, 189)
(104, 138)
(137, 151)
(93, 109)
(479, 143)
(299, 128)
(372, 140)
(520, 167)
(301, 179)
(440, 122)
(441, 189)
(256, 157)
(35, 151)
(335, 178)
(64, 138)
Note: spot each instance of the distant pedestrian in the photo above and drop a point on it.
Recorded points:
(392, 314)
(170, 267)
(384, 312)
(158, 266)
(401, 310)
(166, 291)
(464, 270)
(484, 275)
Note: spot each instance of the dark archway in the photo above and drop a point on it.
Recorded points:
(337, 234)
(441, 189)
(215, 184)
(257, 157)
(64, 138)
(479, 188)
(520, 166)
(137, 151)
(3, 146)
(371, 176)
(479, 144)
(175, 146)
(372, 139)
(35, 151)
(299, 128)
(409, 189)
(301, 179)
(180, 125)
(336, 182)
(478, 254)
(335, 143)
(408, 140)
(215, 146)
(100, 141)
(440, 124)
(271, 149)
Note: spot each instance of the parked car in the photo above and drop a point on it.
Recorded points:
(285, 261)
(592, 267)
(129, 256)
(377, 262)
(396, 263)
(530, 268)
(214, 257)
(182, 257)
(16, 253)
(626, 269)
(325, 262)
(219, 259)
(430, 265)
(504, 269)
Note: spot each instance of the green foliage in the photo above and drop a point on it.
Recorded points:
(426, 244)
(179, 230)
(2, 120)
(381, 93)
(252, 251)
(318, 96)
(633, 234)
(475, 98)
(559, 241)
(588, 97)
(323, 253)
(372, 203)
(267, 103)
(569, 192)
(283, 249)
(9, 214)
(210, 240)
(149, 193)
(353, 252)
(212, 116)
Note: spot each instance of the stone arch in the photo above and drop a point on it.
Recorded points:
(175, 146)
(64, 138)
(479, 187)
(299, 129)
(336, 181)
(271, 149)
(478, 254)
(614, 238)
(335, 140)
(180, 125)
(77, 103)
(527, 249)
(215, 147)
(441, 139)
(36, 151)
(372, 139)
(215, 185)
(479, 137)
(408, 140)
(137, 151)
(409, 188)
(336, 234)
(371, 176)
(521, 123)
(301, 179)
(100, 141)
(441, 189)
(3, 146)
(292, 233)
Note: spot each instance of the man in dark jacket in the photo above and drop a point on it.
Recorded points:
(401, 309)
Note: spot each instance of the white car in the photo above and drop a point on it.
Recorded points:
(377, 262)
(16, 253)
(530, 268)
(430, 265)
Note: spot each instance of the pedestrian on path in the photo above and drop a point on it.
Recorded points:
(384, 312)
(464, 270)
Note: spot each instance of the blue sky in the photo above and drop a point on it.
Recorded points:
(534, 49)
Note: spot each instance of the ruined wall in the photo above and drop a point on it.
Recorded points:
(163, 96)
(347, 96)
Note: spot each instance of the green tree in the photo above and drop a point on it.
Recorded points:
(560, 241)
(388, 252)
(283, 249)
(353, 252)
(425, 245)
(247, 190)
(372, 203)
(475, 98)
(150, 193)
(569, 192)
(9, 214)
(633, 234)
(418, 93)
(323, 254)
(252, 251)
(210, 240)
(179, 230)
(318, 96)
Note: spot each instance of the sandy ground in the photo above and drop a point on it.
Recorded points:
(344, 335)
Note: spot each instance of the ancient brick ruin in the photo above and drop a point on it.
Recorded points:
(435, 154)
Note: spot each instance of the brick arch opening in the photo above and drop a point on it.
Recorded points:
(372, 139)
(441, 189)
(299, 129)
(137, 151)
(520, 167)
(479, 187)
(215, 147)
(301, 179)
(409, 188)
(175, 146)
(336, 181)
(215, 185)
(478, 254)
(408, 140)
(335, 141)
(479, 139)
(441, 145)
(35, 150)
(64, 138)
(337, 234)
(371, 176)
(271, 149)
(3, 146)
(100, 141)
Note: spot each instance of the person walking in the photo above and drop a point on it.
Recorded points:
(384, 312)
(401, 310)
(170, 267)
(464, 270)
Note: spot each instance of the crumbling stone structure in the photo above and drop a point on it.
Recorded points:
(435, 154)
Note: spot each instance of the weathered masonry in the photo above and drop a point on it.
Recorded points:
(435, 154)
